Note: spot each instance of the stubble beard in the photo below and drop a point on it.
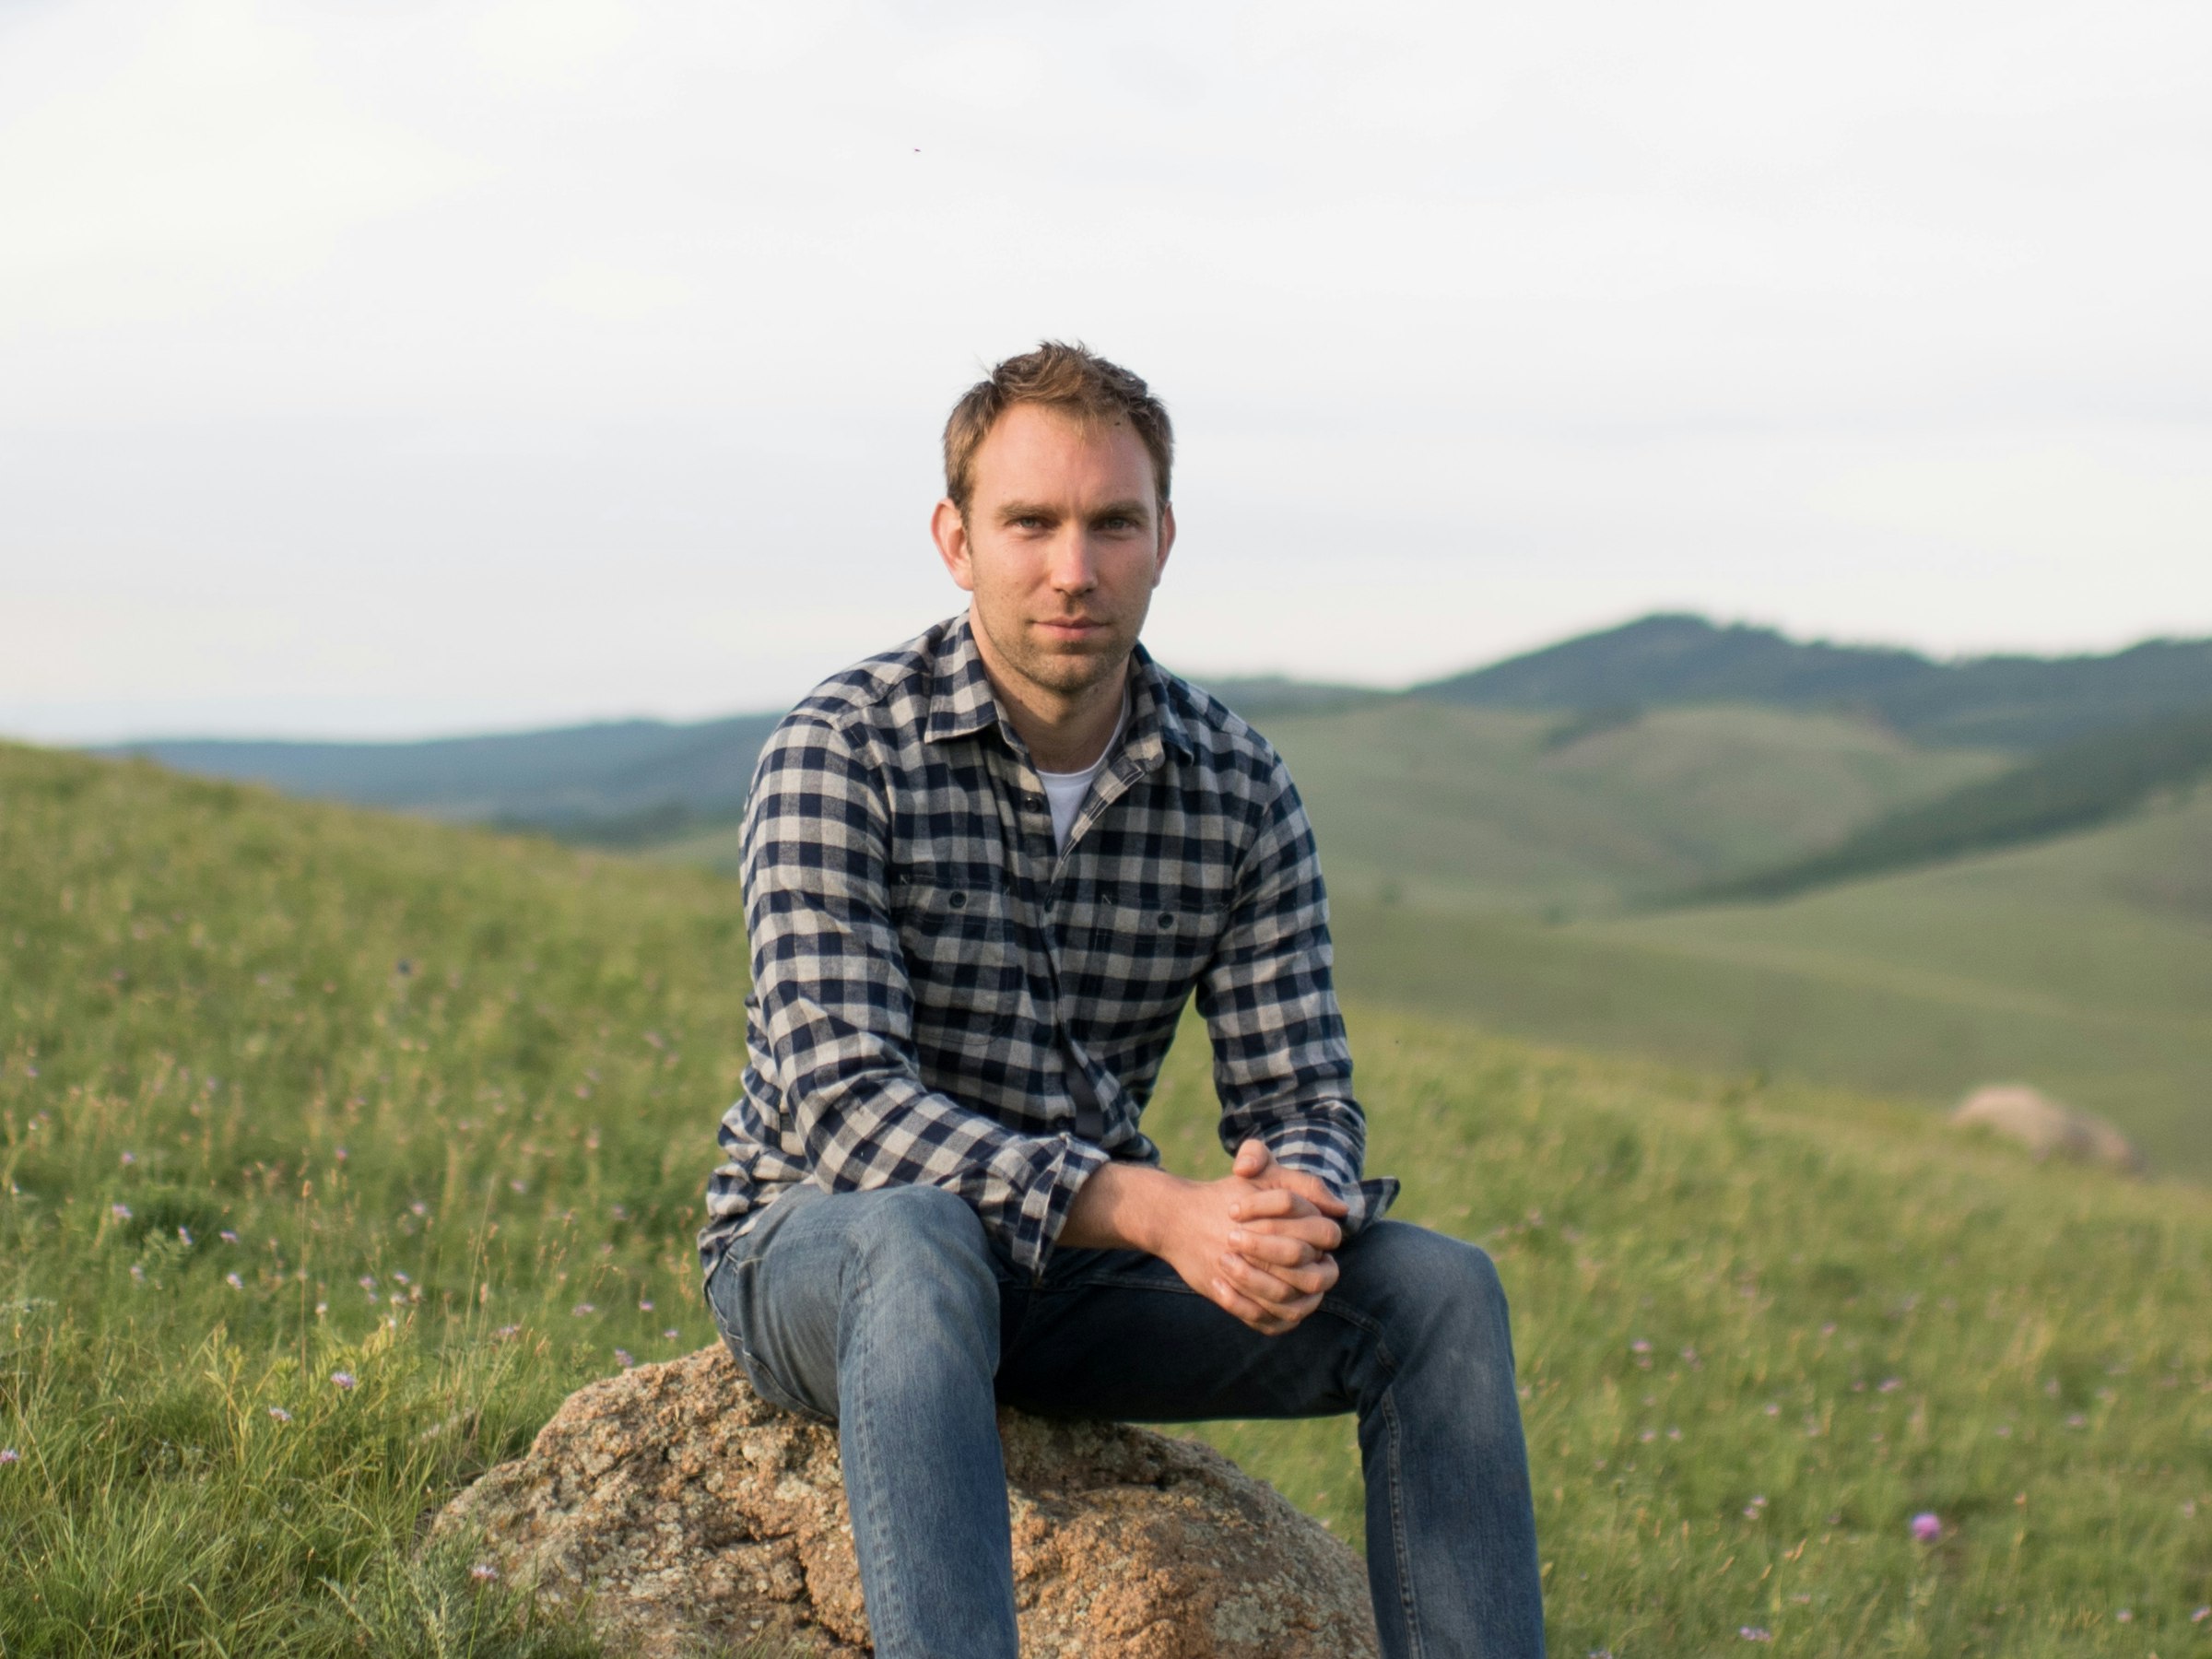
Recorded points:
(1067, 672)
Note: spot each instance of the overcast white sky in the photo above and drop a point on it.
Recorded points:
(386, 367)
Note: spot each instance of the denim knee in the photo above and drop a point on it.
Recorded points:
(908, 1237)
(1420, 1285)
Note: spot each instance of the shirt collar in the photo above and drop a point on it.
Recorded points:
(961, 704)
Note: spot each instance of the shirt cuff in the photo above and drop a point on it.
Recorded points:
(1048, 1196)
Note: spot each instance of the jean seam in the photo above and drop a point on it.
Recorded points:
(1401, 1539)
(883, 1540)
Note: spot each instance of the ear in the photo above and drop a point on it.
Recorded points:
(950, 531)
(1167, 540)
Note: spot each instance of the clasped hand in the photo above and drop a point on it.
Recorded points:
(1259, 1241)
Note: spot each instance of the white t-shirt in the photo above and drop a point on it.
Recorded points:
(1064, 791)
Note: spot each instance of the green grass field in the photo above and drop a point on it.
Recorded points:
(338, 1148)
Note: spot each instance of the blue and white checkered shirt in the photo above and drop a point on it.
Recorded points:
(939, 996)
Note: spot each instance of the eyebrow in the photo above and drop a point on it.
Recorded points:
(1130, 509)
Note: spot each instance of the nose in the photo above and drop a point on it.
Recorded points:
(1075, 568)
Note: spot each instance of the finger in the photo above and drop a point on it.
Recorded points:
(1244, 1309)
(1272, 1249)
(1259, 1284)
(1319, 1231)
(1253, 1160)
(1315, 1191)
(1278, 1286)
(1268, 1201)
(1270, 1283)
(1269, 1319)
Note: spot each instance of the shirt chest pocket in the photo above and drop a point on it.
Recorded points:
(961, 961)
(1133, 960)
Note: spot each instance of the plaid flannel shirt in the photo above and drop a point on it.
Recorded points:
(940, 997)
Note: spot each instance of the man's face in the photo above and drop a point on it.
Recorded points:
(1062, 544)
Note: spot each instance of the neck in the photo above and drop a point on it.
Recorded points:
(1065, 730)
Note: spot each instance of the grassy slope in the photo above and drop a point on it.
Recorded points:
(207, 979)
(203, 1019)
(1467, 807)
(2083, 965)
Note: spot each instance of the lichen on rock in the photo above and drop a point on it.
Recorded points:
(680, 1509)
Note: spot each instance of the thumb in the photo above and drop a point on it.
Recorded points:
(1254, 1160)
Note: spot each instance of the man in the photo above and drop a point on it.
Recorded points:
(983, 874)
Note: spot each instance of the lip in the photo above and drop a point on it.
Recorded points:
(1071, 627)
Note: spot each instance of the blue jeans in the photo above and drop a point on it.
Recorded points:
(891, 1313)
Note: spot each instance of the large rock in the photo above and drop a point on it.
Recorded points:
(2047, 1128)
(689, 1509)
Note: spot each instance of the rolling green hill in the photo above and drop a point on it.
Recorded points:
(2087, 782)
(1465, 807)
(1480, 809)
(2083, 965)
(334, 1148)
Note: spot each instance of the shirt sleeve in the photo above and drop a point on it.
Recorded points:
(1282, 1065)
(835, 1006)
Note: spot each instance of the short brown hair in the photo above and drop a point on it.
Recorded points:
(1074, 379)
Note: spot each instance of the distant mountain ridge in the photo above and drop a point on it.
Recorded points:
(573, 777)
(2015, 703)
(642, 783)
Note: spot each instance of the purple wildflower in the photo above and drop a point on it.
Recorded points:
(130, 1158)
(185, 1237)
(2200, 1615)
(1641, 1346)
(227, 1236)
(1928, 1526)
(367, 1283)
(1755, 1633)
(233, 1280)
(2125, 1616)
(644, 1304)
(121, 1212)
(624, 1359)
(9, 1455)
(343, 1379)
(484, 1572)
(1890, 1384)
(670, 1335)
(580, 1309)
(278, 1414)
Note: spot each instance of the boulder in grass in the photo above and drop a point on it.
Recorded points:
(683, 1510)
(2046, 1127)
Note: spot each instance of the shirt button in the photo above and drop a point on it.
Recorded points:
(1166, 920)
(1034, 803)
(959, 902)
